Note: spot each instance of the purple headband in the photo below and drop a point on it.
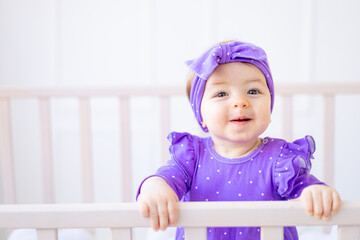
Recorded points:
(204, 65)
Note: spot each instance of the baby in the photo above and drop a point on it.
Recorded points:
(231, 92)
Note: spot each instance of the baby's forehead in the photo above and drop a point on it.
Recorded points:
(236, 72)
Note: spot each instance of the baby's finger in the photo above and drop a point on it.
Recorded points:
(163, 216)
(327, 205)
(154, 218)
(307, 201)
(173, 212)
(143, 209)
(318, 204)
(336, 204)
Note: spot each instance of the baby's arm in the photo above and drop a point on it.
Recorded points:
(320, 201)
(158, 201)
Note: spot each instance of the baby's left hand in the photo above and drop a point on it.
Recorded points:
(320, 201)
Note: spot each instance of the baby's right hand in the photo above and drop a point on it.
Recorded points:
(158, 201)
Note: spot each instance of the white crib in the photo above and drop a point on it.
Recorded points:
(122, 217)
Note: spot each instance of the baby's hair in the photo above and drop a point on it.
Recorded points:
(191, 75)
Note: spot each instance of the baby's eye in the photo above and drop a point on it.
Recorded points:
(253, 92)
(221, 94)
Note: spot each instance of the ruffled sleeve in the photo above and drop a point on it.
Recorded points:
(292, 169)
(179, 169)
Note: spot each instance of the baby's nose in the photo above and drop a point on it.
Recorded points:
(243, 103)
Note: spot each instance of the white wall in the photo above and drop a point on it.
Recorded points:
(118, 43)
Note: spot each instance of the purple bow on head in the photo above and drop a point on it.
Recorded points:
(235, 51)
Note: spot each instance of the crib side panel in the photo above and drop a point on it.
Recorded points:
(348, 232)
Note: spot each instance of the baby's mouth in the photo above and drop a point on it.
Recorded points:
(240, 120)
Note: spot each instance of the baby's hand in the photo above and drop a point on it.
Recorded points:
(320, 201)
(158, 201)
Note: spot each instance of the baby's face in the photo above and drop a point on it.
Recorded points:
(236, 103)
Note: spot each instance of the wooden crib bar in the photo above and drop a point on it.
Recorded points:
(46, 150)
(7, 164)
(194, 216)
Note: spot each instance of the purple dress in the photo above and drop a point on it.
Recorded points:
(275, 170)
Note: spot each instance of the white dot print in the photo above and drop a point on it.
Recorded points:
(229, 182)
(217, 192)
(251, 182)
(199, 165)
(262, 194)
(218, 170)
(207, 178)
(259, 171)
(239, 172)
(182, 145)
(239, 194)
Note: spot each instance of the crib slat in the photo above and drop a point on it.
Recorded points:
(329, 138)
(46, 150)
(47, 234)
(86, 150)
(192, 233)
(287, 117)
(125, 141)
(121, 234)
(272, 233)
(6, 151)
(165, 120)
(348, 232)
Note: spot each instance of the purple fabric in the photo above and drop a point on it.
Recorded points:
(276, 170)
(235, 51)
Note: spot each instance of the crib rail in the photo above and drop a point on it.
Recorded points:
(194, 216)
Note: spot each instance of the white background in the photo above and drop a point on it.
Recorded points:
(142, 42)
